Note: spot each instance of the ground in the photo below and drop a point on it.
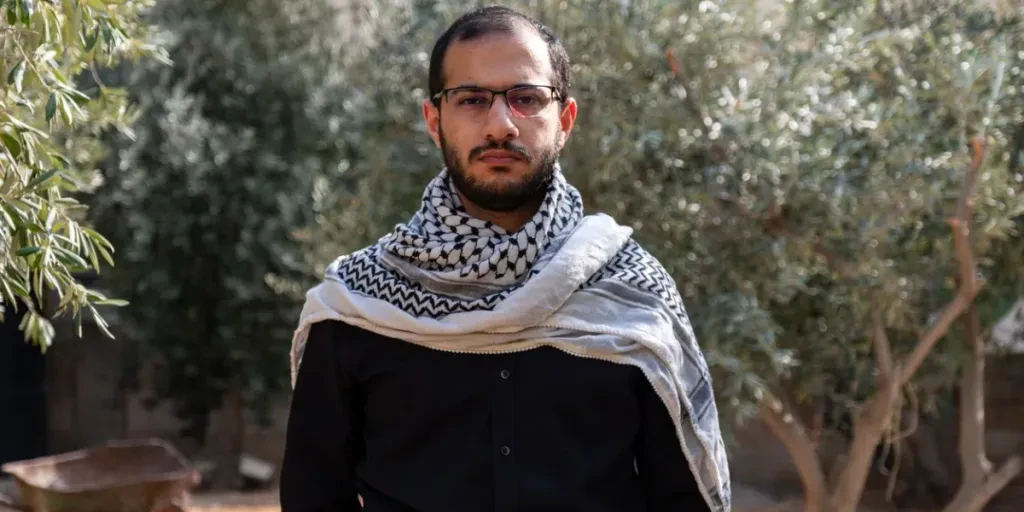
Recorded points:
(266, 501)
(235, 502)
(744, 499)
(218, 502)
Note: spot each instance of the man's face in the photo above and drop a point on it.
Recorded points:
(500, 158)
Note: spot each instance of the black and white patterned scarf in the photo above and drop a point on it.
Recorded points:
(449, 281)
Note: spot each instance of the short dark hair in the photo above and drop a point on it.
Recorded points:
(501, 20)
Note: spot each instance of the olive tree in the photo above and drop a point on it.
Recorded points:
(53, 107)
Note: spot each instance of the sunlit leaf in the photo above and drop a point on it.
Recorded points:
(42, 180)
(71, 258)
(100, 322)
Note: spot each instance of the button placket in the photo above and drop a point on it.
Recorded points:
(503, 434)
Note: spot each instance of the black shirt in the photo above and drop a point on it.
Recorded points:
(410, 429)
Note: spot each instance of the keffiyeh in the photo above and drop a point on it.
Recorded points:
(449, 281)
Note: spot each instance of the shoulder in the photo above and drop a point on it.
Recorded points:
(352, 343)
(337, 330)
(633, 263)
(642, 273)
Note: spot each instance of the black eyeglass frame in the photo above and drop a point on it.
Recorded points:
(555, 96)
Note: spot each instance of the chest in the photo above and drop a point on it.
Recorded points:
(405, 382)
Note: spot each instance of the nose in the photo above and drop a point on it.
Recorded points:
(500, 125)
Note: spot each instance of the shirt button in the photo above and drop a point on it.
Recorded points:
(505, 374)
(505, 450)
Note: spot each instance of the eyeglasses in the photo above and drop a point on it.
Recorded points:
(523, 100)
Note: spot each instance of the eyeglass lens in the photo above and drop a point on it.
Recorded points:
(524, 101)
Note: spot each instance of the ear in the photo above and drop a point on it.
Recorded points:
(566, 121)
(432, 117)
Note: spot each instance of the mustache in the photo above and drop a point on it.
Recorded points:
(504, 146)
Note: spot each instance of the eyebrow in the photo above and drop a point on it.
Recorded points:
(478, 86)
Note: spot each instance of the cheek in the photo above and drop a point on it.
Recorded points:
(543, 135)
(455, 137)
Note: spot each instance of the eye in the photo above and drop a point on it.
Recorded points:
(531, 97)
(472, 100)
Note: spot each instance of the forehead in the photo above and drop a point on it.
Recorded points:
(498, 60)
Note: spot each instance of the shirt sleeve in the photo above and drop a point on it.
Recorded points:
(323, 436)
(665, 475)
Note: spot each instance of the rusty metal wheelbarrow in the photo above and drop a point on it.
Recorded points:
(120, 476)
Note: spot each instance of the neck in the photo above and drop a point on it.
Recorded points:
(510, 221)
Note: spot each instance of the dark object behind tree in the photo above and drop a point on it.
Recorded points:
(22, 394)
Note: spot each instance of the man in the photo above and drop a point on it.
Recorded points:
(501, 351)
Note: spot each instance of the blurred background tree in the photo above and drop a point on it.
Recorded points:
(51, 113)
(202, 201)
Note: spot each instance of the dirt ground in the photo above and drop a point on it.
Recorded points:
(744, 499)
(264, 501)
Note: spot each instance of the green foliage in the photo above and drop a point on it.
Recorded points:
(202, 203)
(51, 112)
(824, 169)
(793, 165)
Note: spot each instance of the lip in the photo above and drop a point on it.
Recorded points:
(500, 157)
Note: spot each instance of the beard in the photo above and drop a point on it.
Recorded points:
(502, 197)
